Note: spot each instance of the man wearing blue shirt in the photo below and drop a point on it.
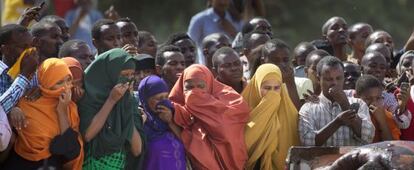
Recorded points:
(216, 19)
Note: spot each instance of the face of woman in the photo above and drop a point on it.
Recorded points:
(153, 100)
(269, 85)
(128, 73)
(66, 82)
(195, 83)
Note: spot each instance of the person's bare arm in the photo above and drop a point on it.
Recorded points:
(327, 131)
(323, 135)
(99, 119)
(409, 45)
(289, 80)
(136, 143)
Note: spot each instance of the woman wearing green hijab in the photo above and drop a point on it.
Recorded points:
(110, 121)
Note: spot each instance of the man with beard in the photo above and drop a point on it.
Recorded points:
(186, 45)
(335, 31)
(228, 68)
(169, 64)
(352, 73)
(47, 38)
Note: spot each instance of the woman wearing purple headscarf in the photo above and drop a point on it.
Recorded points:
(165, 150)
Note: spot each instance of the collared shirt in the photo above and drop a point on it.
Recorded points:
(205, 23)
(314, 116)
(5, 130)
(11, 91)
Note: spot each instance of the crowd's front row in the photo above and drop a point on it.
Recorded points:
(199, 123)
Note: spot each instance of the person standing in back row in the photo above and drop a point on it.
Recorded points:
(216, 19)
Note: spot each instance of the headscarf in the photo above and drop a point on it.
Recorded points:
(399, 65)
(33, 141)
(164, 146)
(149, 87)
(74, 67)
(213, 121)
(272, 127)
(100, 77)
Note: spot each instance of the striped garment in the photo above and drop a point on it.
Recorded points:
(314, 116)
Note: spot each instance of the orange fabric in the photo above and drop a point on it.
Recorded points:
(75, 67)
(395, 131)
(33, 141)
(213, 121)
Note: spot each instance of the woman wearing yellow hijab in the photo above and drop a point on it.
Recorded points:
(272, 127)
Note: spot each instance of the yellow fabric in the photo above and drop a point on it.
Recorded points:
(272, 127)
(12, 9)
(15, 69)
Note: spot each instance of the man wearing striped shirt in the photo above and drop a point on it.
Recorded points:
(331, 121)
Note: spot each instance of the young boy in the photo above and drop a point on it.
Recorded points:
(369, 89)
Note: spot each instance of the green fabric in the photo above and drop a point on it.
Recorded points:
(115, 161)
(100, 77)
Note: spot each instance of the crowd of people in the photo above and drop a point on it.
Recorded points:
(88, 92)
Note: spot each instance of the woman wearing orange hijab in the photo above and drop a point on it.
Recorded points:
(273, 123)
(52, 135)
(212, 117)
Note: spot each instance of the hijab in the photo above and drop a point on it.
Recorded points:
(100, 77)
(33, 141)
(148, 87)
(272, 127)
(213, 121)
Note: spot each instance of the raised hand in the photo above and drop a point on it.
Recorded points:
(130, 49)
(118, 91)
(346, 117)
(378, 112)
(30, 14)
(111, 13)
(402, 98)
(339, 96)
(164, 113)
(64, 99)
(29, 63)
